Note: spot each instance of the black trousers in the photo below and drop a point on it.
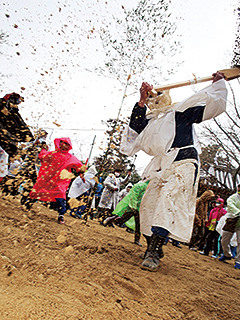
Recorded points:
(126, 216)
(197, 235)
(212, 240)
(202, 242)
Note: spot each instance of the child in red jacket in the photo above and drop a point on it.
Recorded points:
(51, 184)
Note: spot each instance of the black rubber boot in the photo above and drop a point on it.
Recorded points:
(153, 253)
(109, 221)
(137, 238)
(159, 249)
(143, 254)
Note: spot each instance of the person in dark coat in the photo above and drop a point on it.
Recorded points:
(13, 129)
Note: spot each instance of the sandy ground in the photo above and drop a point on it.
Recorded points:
(86, 271)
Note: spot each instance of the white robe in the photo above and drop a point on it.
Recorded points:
(220, 225)
(169, 201)
(109, 196)
(157, 138)
(78, 187)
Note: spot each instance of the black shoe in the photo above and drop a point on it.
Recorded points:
(150, 264)
(177, 245)
(153, 253)
(108, 221)
(192, 248)
(138, 243)
(159, 252)
(61, 220)
(224, 258)
(203, 253)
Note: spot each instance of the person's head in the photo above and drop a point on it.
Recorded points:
(117, 173)
(162, 101)
(129, 187)
(92, 170)
(207, 196)
(13, 98)
(63, 145)
(42, 135)
(219, 202)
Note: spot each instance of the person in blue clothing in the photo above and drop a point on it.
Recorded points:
(167, 134)
(98, 192)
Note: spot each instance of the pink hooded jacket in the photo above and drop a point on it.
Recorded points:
(49, 185)
(215, 215)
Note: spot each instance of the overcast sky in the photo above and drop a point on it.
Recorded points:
(52, 43)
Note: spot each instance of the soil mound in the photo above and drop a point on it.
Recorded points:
(86, 271)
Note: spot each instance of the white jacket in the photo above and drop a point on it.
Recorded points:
(157, 138)
(78, 187)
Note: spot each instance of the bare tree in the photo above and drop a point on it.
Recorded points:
(221, 151)
(223, 140)
(141, 43)
(137, 48)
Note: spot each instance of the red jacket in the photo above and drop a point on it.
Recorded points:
(49, 185)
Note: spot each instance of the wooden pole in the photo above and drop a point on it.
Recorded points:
(91, 149)
(229, 74)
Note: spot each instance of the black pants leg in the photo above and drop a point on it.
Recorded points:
(126, 216)
(202, 242)
(137, 226)
(210, 238)
(195, 236)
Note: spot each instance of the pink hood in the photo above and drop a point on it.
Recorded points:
(57, 143)
(216, 213)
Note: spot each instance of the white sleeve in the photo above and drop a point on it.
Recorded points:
(128, 145)
(213, 97)
(216, 100)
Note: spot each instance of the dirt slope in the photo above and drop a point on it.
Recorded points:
(85, 271)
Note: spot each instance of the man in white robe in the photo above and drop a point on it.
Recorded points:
(81, 190)
(168, 205)
(233, 212)
(109, 198)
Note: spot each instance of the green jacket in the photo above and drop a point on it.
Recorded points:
(131, 202)
(233, 207)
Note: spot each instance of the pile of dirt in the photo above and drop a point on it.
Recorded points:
(86, 271)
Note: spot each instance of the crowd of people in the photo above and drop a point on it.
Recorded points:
(163, 206)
